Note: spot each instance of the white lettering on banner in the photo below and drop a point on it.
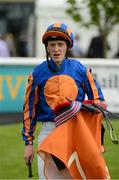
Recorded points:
(108, 78)
(74, 157)
(106, 72)
(112, 81)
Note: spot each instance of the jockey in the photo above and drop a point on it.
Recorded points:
(52, 83)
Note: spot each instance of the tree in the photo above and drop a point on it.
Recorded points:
(104, 14)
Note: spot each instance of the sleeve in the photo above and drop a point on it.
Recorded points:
(92, 88)
(29, 110)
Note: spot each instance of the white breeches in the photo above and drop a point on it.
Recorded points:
(47, 127)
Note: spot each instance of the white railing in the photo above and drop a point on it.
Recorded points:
(106, 72)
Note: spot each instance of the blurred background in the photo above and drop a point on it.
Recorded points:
(96, 43)
(16, 24)
(22, 23)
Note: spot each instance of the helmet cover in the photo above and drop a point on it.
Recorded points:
(58, 31)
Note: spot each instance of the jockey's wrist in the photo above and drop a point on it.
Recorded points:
(28, 142)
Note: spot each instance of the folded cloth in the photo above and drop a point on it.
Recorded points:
(77, 143)
(66, 111)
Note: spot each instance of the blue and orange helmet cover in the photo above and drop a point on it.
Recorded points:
(59, 30)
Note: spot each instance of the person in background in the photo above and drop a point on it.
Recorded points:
(23, 44)
(47, 84)
(76, 51)
(10, 40)
(116, 56)
(96, 47)
(4, 50)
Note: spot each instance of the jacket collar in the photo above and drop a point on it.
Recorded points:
(56, 68)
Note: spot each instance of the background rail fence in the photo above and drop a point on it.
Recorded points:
(13, 79)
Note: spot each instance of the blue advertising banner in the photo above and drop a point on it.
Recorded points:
(14, 73)
(13, 81)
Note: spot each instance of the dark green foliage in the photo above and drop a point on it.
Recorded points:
(102, 13)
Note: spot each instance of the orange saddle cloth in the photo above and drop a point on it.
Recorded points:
(77, 143)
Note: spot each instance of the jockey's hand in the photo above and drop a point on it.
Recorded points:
(28, 154)
(99, 103)
(102, 104)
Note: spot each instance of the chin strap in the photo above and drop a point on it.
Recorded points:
(47, 58)
(49, 65)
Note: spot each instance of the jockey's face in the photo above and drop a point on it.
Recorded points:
(57, 50)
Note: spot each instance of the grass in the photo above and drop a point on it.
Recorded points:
(12, 165)
(112, 151)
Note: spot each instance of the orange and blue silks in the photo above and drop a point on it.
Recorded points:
(46, 90)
